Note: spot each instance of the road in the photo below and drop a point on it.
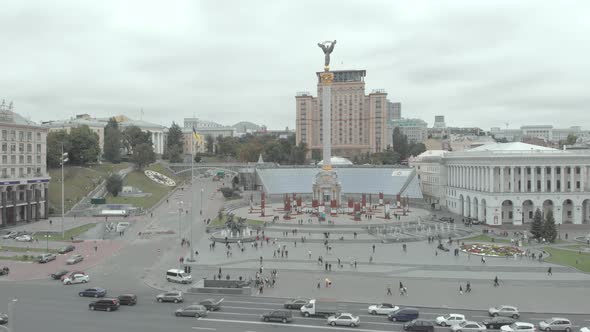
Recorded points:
(51, 307)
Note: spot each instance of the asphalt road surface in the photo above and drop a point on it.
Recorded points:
(51, 307)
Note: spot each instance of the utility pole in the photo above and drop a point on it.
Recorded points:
(11, 305)
(180, 210)
(64, 158)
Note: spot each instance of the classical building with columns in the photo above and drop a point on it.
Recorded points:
(504, 183)
(24, 180)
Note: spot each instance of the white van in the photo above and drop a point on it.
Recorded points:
(122, 226)
(176, 275)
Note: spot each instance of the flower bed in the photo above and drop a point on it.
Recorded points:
(491, 250)
(160, 178)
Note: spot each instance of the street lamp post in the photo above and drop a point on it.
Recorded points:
(11, 305)
(201, 207)
(180, 209)
(64, 159)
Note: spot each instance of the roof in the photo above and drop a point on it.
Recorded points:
(16, 119)
(513, 146)
(354, 180)
(428, 154)
(334, 160)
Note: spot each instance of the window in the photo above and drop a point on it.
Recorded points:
(4, 172)
(38, 159)
(577, 184)
(21, 159)
(12, 135)
(4, 135)
(38, 148)
(21, 147)
(29, 148)
(4, 160)
(4, 147)
(38, 136)
(29, 136)
(21, 135)
(12, 147)
(13, 159)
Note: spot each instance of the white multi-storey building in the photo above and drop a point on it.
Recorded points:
(504, 183)
(429, 170)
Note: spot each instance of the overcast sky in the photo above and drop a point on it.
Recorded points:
(479, 63)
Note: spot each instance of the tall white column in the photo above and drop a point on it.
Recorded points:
(553, 179)
(480, 178)
(326, 125)
(486, 178)
(501, 179)
(543, 179)
(533, 179)
(522, 181)
(572, 178)
(467, 177)
(583, 178)
(562, 178)
(511, 180)
(492, 185)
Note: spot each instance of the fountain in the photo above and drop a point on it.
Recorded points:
(235, 231)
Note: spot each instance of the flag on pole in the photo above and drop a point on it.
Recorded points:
(198, 137)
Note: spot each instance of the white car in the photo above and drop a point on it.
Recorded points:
(518, 327)
(76, 279)
(468, 326)
(585, 329)
(24, 238)
(345, 319)
(450, 320)
(10, 235)
(382, 309)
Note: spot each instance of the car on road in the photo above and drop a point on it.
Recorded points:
(211, 304)
(504, 310)
(46, 258)
(344, 319)
(555, 324)
(74, 259)
(76, 279)
(193, 310)
(170, 297)
(4, 270)
(176, 275)
(66, 249)
(59, 274)
(419, 325)
(450, 320)
(296, 303)
(3, 318)
(93, 292)
(104, 304)
(284, 316)
(127, 299)
(24, 238)
(445, 219)
(403, 315)
(585, 329)
(468, 326)
(10, 235)
(382, 309)
(495, 323)
(518, 327)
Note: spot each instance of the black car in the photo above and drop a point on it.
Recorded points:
(296, 303)
(419, 325)
(93, 292)
(66, 249)
(104, 304)
(127, 299)
(4, 271)
(211, 304)
(3, 318)
(284, 316)
(496, 323)
(58, 275)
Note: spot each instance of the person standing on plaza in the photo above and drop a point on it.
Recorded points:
(373, 248)
(549, 272)
(496, 282)
(460, 289)
(389, 290)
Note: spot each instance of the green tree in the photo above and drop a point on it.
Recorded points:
(537, 225)
(133, 136)
(388, 157)
(400, 143)
(417, 148)
(227, 192)
(54, 141)
(143, 155)
(249, 152)
(316, 154)
(84, 146)
(112, 141)
(209, 143)
(298, 154)
(227, 146)
(174, 144)
(549, 230)
(571, 139)
(114, 184)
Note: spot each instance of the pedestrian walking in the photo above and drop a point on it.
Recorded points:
(483, 259)
(496, 282)
(549, 273)
(468, 288)
(460, 290)
(389, 291)
(309, 254)
(373, 248)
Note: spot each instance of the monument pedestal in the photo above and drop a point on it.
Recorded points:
(326, 188)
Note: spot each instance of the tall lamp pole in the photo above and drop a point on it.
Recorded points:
(11, 305)
(179, 219)
(64, 159)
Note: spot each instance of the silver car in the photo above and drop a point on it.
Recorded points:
(345, 319)
(468, 326)
(170, 297)
(504, 310)
(74, 259)
(194, 310)
(555, 324)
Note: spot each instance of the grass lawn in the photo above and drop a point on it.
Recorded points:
(218, 222)
(24, 249)
(79, 181)
(569, 258)
(68, 234)
(138, 180)
(22, 258)
(484, 238)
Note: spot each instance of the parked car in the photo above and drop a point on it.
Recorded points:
(403, 315)
(170, 297)
(74, 259)
(419, 325)
(504, 310)
(24, 238)
(176, 275)
(93, 292)
(555, 324)
(468, 326)
(585, 329)
(73, 273)
(450, 320)
(345, 319)
(46, 258)
(127, 299)
(211, 304)
(58, 275)
(518, 327)
(10, 235)
(104, 304)
(495, 323)
(76, 279)
(296, 303)
(284, 316)
(382, 309)
(66, 249)
(193, 310)
(445, 219)
(4, 270)
(3, 318)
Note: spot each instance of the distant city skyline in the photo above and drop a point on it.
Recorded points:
(481, 64)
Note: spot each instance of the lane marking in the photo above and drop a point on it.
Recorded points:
(204, 328)
(294, 325)
(307, 318)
